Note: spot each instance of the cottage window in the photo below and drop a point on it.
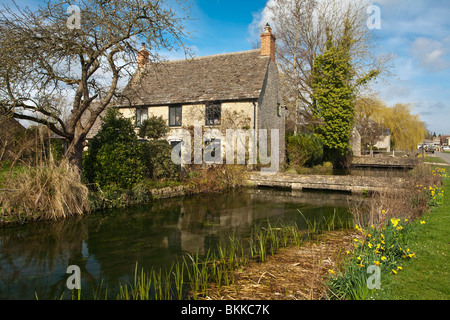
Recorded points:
(175, 116)
(213, 114)
(141, 116)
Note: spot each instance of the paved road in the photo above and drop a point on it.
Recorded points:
(443, 155)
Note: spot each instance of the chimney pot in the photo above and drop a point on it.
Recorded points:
(268, 47)
(143, 56)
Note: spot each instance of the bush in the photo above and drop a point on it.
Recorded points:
(304, 149)
(157, 160)
(153, 128)
(114, 154)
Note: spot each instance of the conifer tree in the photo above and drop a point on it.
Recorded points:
(333, 94)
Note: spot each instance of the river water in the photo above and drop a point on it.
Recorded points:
(106, 246)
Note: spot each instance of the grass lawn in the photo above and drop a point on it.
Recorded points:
(426, 277)
(434, 160)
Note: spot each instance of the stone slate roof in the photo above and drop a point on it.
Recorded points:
(223, 77)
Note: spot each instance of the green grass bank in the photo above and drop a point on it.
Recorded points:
(427, 276)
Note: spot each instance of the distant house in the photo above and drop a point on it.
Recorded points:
(445, 141)
(384, 141)
(237, 90)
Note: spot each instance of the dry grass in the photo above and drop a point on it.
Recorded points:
(215, 178)
(295, 273)
(46, 191)
(409, 201)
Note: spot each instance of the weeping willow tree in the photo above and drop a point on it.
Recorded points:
(407, 129)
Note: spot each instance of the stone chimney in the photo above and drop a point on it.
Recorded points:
(268, 43)
(143, 56)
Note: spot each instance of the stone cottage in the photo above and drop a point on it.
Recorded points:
(237, 90)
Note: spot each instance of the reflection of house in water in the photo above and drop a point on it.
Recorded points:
(204, 222)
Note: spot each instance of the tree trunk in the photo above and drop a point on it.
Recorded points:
(75, 154)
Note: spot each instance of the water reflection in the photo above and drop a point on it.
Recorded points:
(107, 245)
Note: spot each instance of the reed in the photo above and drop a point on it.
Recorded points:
(46, 191)
(192, 277)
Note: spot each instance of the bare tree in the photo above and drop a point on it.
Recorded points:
(300, 27)
(80, 50)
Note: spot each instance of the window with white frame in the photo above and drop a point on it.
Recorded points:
(141, 116)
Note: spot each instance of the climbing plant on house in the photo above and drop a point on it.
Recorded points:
(156, 150)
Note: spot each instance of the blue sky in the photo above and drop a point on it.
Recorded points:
(416, 32)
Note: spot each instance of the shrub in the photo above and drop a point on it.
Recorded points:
(157, 160)
(114, 154)
(153, 128)
(304, 149)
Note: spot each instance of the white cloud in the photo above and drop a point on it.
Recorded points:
(260, 19)
(433, 55)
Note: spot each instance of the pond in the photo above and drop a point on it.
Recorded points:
(107, 245)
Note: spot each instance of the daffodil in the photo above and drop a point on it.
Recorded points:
(422, 222)
(394, 271)
(383, 258)
(395, 222)
(377, 263)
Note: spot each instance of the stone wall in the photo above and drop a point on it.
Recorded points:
(351, 184)
(270, 113)
(386, 162)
